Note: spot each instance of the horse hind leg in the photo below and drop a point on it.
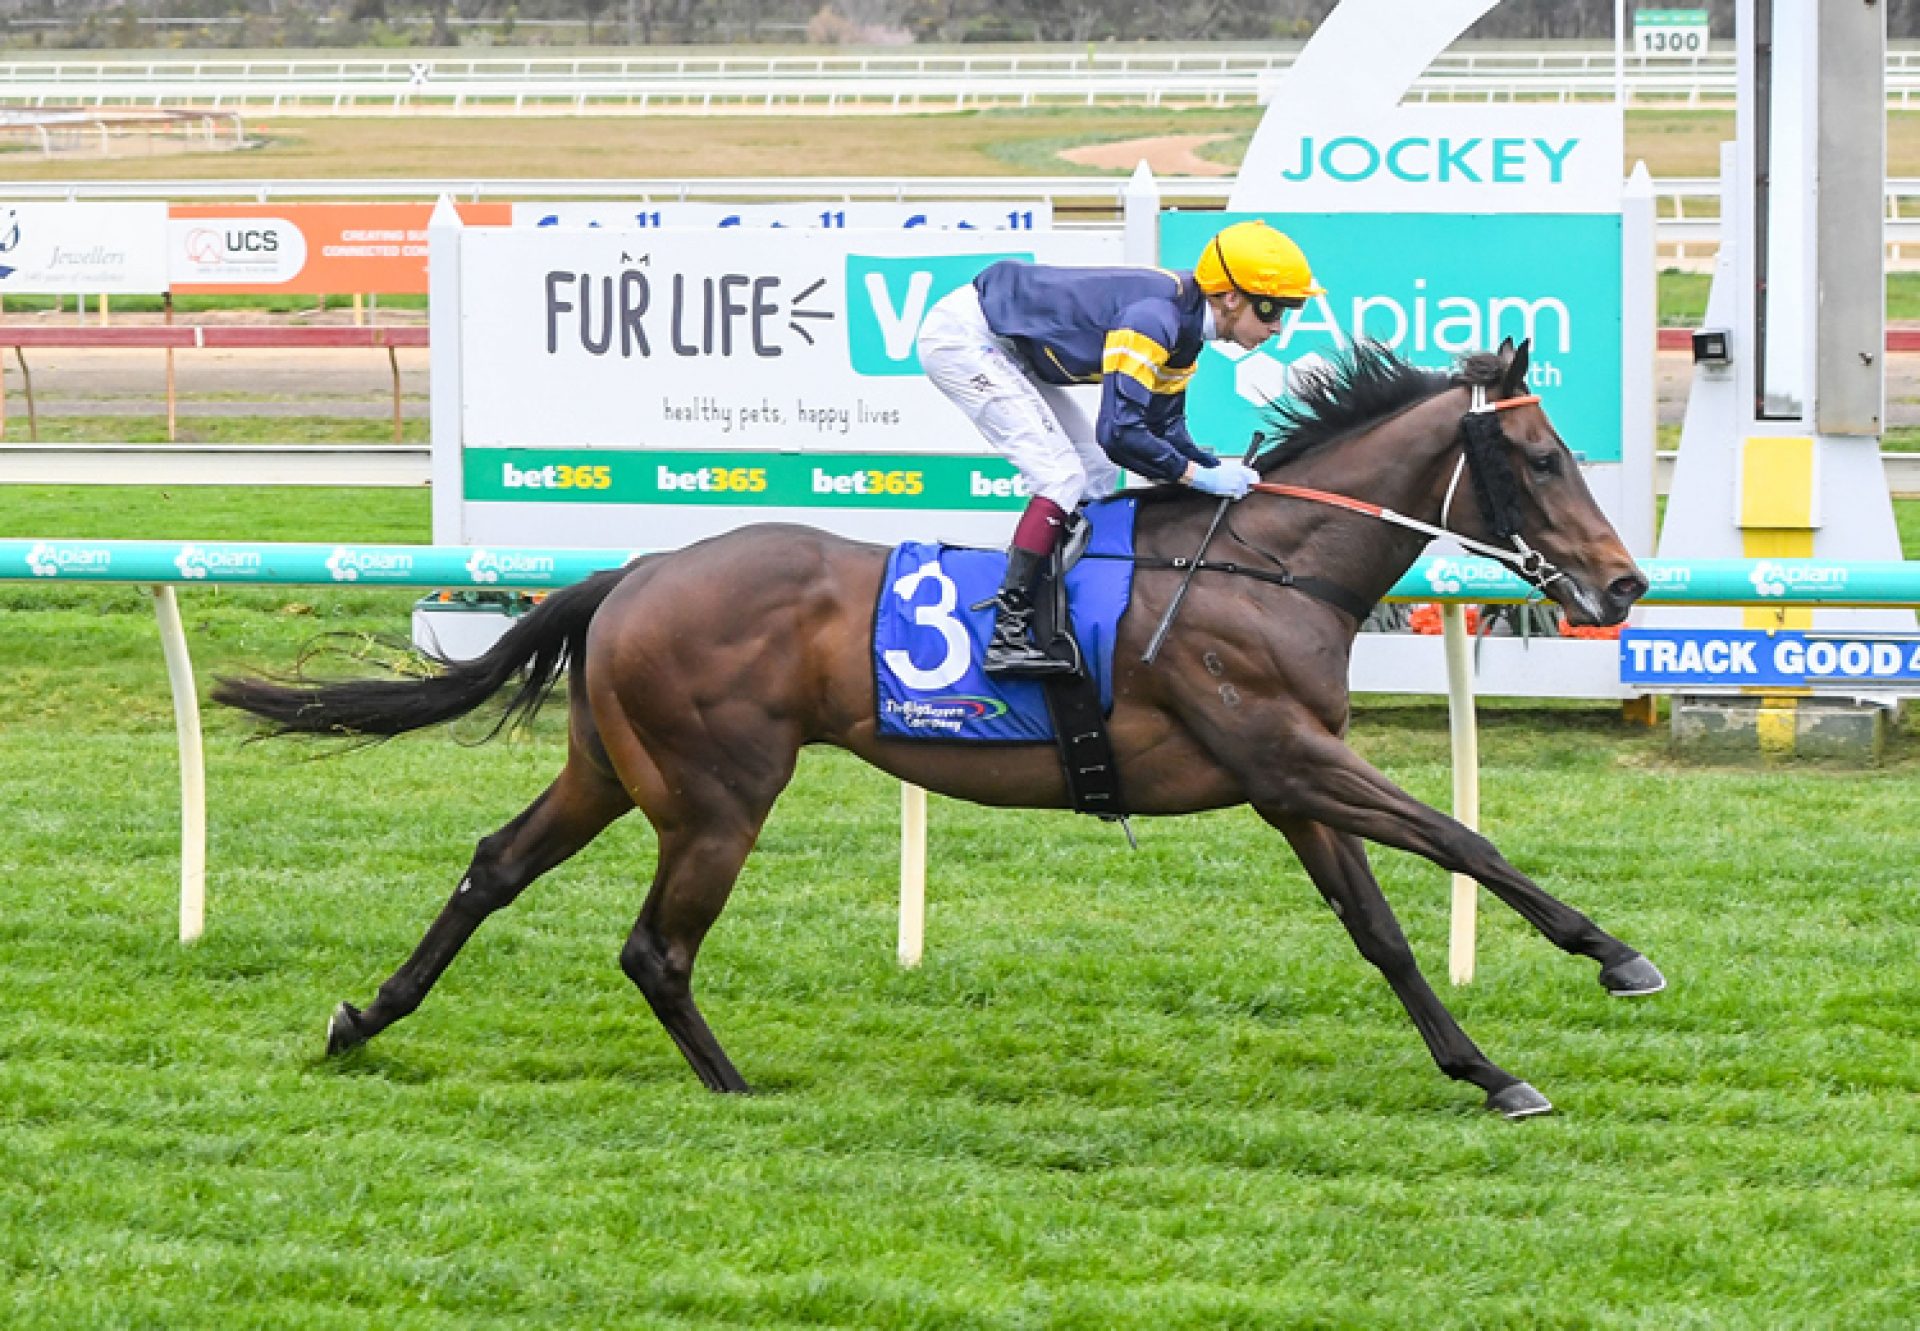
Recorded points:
(566, 816)
(706, 830)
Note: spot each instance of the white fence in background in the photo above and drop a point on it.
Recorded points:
(1687, 227)
(714, 78)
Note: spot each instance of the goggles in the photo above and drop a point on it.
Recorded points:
(1272, 309)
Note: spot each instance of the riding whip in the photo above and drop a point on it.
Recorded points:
(1180, 593)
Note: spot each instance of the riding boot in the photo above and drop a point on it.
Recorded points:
(1011, 650)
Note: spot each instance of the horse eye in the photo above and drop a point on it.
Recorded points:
(1545, 464)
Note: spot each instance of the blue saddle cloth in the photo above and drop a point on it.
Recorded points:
(928, 646)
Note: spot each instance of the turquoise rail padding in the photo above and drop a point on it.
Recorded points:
(1688, 582)
(241, 563)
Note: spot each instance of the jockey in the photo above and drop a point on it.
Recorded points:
(1005, 347)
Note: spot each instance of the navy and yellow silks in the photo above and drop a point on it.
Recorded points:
(1137, 332)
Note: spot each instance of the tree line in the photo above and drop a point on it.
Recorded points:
(296, 23)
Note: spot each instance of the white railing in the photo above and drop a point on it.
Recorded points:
(1687, 226)
(1684, 197)
(713, 78)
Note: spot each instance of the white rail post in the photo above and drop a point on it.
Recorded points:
(1140, 207)
(446, 408)
(193, 769)
(1466, 784)
(913, 873)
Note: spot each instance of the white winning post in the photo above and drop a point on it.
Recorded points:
(913, 873)
(193, 767)
(1466, 784)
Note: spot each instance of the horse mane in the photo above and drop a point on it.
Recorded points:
(1358, 387)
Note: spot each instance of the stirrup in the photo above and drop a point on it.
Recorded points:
(1030, 663)
(1023, 661)
(1011, 652)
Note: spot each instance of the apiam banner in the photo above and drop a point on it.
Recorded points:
(51, 249)
(1431, 287)
(1437, 228)
(309, 248)
(659, 386)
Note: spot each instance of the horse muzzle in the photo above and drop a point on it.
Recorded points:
(1604, 608)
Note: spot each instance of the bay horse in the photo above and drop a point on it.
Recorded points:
(696, 676)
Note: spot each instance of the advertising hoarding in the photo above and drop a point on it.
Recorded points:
(652, 388)
(824, 214)
(53, 249)
(307, 248)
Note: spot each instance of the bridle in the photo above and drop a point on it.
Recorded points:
(1482, 460)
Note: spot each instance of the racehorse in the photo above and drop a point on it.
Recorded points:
(696, 676)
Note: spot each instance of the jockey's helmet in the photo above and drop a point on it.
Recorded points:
(1260, 263)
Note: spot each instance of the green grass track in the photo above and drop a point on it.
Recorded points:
(1126, 1090)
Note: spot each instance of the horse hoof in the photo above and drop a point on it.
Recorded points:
(1633, 977)
(343, 1030)
(1518, 1101)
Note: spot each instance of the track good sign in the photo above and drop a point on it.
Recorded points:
(652, 388)
(1749, 658)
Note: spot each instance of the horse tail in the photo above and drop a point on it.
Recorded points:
(537, 648)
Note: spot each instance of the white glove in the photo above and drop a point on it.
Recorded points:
(1230, 480)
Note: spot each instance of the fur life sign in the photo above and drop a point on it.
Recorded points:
(679, 382)
(782, 339)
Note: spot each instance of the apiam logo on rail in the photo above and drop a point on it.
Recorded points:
(1771, 579)
(493, 565)
(195, 562)
(346, 564)
(50, 561)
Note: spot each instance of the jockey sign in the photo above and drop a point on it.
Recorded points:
(1435, 228)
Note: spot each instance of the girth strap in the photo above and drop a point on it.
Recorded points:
(1073, 701)
(1320, 589)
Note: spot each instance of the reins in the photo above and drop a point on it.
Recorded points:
(1523, 558)
(1480, 430)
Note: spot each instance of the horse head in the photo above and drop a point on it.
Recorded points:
(1530, 497)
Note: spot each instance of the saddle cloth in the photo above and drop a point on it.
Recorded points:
(928, 645)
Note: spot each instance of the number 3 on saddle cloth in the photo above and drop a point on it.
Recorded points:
(928, 649)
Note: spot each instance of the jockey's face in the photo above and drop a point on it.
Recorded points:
(1236, 321)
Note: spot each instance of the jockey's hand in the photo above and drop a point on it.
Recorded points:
(1230, 480)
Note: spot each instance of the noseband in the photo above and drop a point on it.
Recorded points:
(1495, 489)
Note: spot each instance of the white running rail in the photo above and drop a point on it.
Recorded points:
(713, 79)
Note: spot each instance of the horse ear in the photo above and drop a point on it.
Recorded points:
(1514, 382)
(1506, 347)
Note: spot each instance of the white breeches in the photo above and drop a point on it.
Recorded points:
(1043, 430)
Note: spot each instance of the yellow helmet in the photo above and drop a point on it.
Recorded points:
(1258, 261)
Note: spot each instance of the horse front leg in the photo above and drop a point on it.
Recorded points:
(1322, 779)
(1337, 863)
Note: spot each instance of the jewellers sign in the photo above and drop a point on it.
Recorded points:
(51, 249)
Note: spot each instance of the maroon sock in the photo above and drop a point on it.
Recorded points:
(1040, 526)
